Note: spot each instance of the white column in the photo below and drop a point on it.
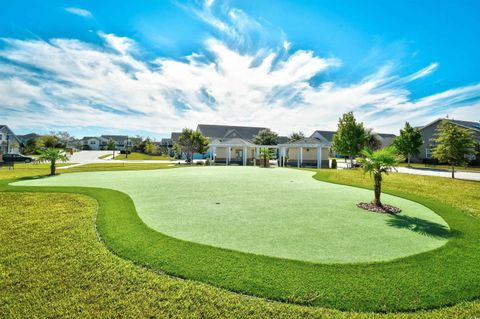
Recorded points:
(229, 154)
(244, 156)
(298, 156)
(319, 156)
(301, 156)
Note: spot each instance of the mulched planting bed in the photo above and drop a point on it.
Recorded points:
(384, 209)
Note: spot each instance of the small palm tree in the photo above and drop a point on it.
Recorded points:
(52, 155)
(376, 163)
(265, 154)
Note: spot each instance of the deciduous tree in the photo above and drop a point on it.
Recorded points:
(408, 142)
(266, 137)
(453, 144)
(191, 142)
(350, 137)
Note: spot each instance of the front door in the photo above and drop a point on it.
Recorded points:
(239, 155)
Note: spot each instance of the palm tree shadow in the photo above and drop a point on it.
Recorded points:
(421, 226)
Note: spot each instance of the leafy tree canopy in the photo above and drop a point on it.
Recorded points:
(408, 142)
(350, 137)
(453, 144)
(296, 136)
(191, 142)
(372, 141)
(266, 137)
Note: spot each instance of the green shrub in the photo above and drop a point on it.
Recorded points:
(334, 164)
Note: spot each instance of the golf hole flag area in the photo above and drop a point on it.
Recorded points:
(282, 213)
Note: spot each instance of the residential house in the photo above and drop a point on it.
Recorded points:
(101, 142)
(231, 144)
(430, 130)
(121, 141)
(9, 142)
(234, 145)
(327, 136)
(31, 136)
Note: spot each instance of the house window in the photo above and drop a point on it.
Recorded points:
(428, 153)
(1, 136)
(92, 142)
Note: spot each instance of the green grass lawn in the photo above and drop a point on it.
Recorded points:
(445, 276)
(140, 156)
(58, 267)
(302, 219)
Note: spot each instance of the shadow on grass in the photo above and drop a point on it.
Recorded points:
(421, 226)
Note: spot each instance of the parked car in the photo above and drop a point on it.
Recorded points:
(12, 157)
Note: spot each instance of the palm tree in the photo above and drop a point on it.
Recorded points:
(376, 163)
(52, 155)
(265, 154)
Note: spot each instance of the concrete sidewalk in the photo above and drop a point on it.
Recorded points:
(429, 172)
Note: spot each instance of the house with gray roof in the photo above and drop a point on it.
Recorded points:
(9, 142)
(327, 136)
(429, 132)
(234, 145)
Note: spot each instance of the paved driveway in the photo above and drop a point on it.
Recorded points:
(90, 157)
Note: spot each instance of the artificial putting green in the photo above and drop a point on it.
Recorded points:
(274, 212)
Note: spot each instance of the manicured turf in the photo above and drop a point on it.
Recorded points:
(58, 268)
(274, 212)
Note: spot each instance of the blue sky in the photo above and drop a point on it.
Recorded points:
(150, 67)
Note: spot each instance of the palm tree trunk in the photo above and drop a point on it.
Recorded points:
(453, 171)
(378, 189)
(52, 167)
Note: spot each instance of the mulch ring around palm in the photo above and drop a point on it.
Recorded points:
(384, 208)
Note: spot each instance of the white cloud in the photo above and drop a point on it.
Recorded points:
(79, 12)
(121, 44)
(424, 72)
(242, 76)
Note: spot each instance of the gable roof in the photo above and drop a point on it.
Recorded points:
(470, 125)
(175, 136)
(235, 141)
(327, 135)
(465, 124)
(220, 131)
(307, 140)
(10, 132)
(28, 136)
(116, 138)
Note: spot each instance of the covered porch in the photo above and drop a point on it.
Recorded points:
(304, 153)
(236, 151)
